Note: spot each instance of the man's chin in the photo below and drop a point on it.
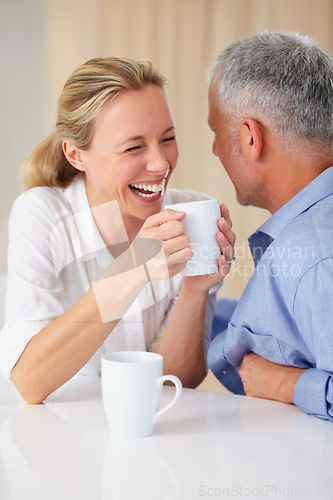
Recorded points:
(241, 200)
(247, 201)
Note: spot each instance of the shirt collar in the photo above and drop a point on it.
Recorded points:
(319, 188)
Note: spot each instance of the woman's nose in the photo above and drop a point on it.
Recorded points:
(158, 162)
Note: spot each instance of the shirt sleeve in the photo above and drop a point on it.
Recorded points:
(211, 312)
(226, 373)
(313, 309)
(33, 295)
(222, 315)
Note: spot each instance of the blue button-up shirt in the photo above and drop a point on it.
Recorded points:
(286, 311)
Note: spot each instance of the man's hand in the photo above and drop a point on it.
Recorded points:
(264, 379)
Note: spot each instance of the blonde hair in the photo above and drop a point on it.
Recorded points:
(83, 96)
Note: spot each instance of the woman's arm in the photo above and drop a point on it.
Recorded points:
(182, 344)
(58, 351)
(62, 348)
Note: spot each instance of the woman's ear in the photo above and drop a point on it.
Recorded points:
(73, 155)
(251, 137)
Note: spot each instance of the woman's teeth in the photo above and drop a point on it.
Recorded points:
(147, 190)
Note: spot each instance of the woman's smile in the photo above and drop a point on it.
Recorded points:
(149, 190)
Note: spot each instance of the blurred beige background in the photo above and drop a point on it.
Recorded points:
(43, 41)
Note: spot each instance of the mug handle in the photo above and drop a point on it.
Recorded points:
(160, 381)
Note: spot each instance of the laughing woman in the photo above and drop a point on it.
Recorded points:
(94, 259)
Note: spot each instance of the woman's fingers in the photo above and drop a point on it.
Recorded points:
(177, 243)
(226, 238)
(226, 248)
(164, 266)
(163, 226)
(177, 253)
(227, 231)
(225, 213)
(161, 218)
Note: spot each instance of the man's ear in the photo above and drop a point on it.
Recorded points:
(73, 155)
(251, 139)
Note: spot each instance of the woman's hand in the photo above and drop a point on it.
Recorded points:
(167, 228)
(226, 239)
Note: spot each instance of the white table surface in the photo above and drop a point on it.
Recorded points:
(209, 445)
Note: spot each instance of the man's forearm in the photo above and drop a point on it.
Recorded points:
(264, 379)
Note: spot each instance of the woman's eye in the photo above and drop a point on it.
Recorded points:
(169, 139)
(133, 148)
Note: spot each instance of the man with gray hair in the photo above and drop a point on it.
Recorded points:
(271, 111)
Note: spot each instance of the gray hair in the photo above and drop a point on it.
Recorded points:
(281, 79)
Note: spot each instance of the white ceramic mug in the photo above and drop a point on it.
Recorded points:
(200, 224)
(132, 384)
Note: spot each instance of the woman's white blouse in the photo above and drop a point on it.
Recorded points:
(55, 254)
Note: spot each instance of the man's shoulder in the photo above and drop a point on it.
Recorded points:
(305, 245)
(314, 227)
